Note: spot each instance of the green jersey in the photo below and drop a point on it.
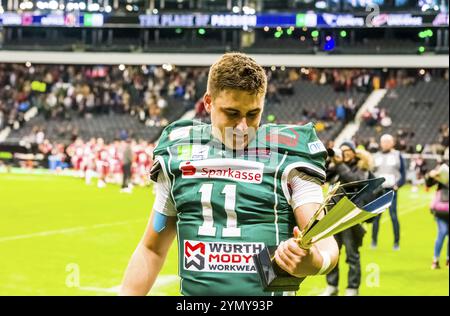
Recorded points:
(232, 203)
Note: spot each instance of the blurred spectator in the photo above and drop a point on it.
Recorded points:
(349, 166)
(418, 168)
(389, 164)
(439, 207)
(372, 146)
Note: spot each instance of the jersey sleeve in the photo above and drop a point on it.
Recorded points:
(173, 134)
(305, 189)
(163, 202)
(306, 152)
(178, 131)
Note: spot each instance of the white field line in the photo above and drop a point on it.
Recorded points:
(68, 230)
(161, 282)
(409, 210)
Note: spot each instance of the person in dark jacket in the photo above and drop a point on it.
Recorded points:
(352, 165)
(126, 167)
(439, 177)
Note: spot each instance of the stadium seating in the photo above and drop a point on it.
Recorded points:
(369, 46)
(421, 108)
(107, 126)
(312, 98)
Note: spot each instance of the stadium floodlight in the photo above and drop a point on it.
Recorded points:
(93, 7)
(271, 118)
(330, 44)
(248, 10)
(42, 5)
(167, 67)
(426, 33)
(82, 6)
(53, 5)
(321, 5)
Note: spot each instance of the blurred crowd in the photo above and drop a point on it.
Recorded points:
(66, 91)
(418, 165)
(62, 92)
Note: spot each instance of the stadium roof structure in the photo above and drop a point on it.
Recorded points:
(180, 59)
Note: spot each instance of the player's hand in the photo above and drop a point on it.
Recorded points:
(337, 159)
(434, 173)
(293, 259)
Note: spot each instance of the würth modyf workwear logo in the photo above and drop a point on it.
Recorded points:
(194, 255)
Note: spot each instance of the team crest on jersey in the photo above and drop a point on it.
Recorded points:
(220, 256)
(192, 152)
(316, 147)
(287, 136)
(232, 169)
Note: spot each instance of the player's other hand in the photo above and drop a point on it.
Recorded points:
(337, 160)
(293, 259)
(434, 173)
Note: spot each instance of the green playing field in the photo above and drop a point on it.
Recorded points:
(59, 236)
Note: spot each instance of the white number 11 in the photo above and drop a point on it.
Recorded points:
(208, 228)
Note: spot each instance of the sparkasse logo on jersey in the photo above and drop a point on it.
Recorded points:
(232, 169)
(220, 257)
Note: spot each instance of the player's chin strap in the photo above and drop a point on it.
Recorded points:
(159, 221)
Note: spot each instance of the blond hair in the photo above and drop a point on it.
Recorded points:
(237, 71)
(365, 160)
